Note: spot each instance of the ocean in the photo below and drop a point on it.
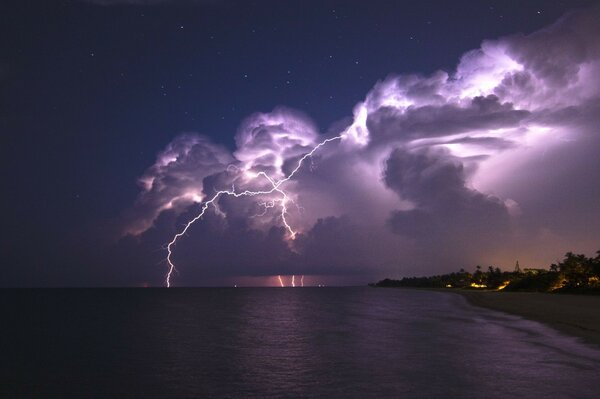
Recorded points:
(355, 342)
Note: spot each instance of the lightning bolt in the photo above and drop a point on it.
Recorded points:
(280, 281)
(302, 281)
(275, 187)
(293, 280)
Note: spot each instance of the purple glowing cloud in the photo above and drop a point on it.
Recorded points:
(433, 171)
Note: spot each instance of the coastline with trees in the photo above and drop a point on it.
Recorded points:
(575, 274)
(566, 296)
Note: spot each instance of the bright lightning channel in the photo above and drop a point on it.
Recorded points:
(275, 188)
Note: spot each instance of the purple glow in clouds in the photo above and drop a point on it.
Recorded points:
(432, 171)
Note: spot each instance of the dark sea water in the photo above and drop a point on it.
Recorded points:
(273, 342)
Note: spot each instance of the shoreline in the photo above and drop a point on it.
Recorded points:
(575, 315)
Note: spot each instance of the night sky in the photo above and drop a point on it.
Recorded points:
(119, 117)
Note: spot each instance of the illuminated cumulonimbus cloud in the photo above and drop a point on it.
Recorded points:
(432, 171)
(175, 180)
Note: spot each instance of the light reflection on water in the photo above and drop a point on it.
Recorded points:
(332, 342)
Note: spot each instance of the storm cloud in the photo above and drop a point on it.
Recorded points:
(492, 162)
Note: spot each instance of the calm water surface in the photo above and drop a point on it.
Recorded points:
(273, 342)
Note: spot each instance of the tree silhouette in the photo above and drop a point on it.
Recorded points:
(575, 273)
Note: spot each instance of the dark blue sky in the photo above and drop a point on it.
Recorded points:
(90, 93)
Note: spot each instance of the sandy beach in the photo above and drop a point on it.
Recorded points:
(577, 315)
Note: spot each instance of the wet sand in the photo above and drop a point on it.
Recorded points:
(577, 315)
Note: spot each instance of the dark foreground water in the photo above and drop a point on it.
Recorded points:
(273, 342)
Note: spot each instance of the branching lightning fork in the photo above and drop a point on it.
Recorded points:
(275, 188)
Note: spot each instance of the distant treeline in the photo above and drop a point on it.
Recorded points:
(575, 274)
